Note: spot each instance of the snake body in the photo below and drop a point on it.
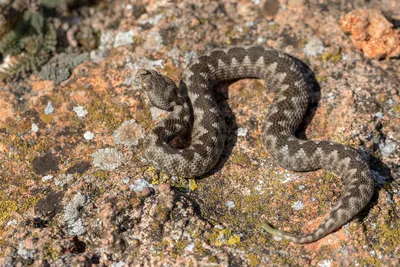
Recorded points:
(195, 112)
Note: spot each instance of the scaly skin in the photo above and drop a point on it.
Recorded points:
(193, 109)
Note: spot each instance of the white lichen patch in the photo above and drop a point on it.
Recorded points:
(12, 222)
(314, 47)
(145, 63)
(128, 134)
(119, 264)
(153, 41)
(261, 40)
(49, 108)
(387, 147)
(230, 204)
(190, 247)
(5, 64)
(189, 56)
(260, 187)
(124, 38)
(80, 111)
(34, 128)
(325, 263)
(242, 131)
(298, 205)
(25, 253)
(107, 159)
(151, 20)
(126, 180)
(379, 115)
(88, 135)
(46, 178)
(71, 214)
(139, 185)
(63, 179)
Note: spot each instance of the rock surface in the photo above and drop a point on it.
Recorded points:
(371, 32)
(75, 187)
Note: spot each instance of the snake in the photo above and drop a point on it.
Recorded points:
(193, 111)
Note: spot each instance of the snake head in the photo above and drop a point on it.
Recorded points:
(160, 90)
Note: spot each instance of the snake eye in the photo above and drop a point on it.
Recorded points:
(143, 72)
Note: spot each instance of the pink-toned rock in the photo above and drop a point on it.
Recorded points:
(164, 187)
(145, 192)
(6, 106)
(43, 87)
(45, 144)
(371, 32)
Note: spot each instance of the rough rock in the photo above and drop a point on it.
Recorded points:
(372, 33)
(77, 140)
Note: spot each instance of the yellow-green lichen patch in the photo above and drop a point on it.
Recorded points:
(273, 27)
(180, 246)
(382, 226)
(155, 176)
(137, 40)
(52, 251)
(321, 78)
(100, 176)
(180, 183)
(27, 203)
(334, 57)
(6, 208)
(213, 259)
(253, 259)
(46, 118)
(370, 261)
(104, 113)
(23, 144)
(144, 116)
(396, 109)
(388, 230)
(293, 202)
(240, 159)
(221, 237)
(161, 213)
(342, 139)
(242, 207)
(192, 184)
(229, 34)
(100, 183)
(390, 235)
(326, 193)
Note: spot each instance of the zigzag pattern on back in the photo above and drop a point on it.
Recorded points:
(194, 111)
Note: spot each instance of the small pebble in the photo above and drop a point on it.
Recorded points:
(164, 187)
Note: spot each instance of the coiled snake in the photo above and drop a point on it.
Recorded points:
(194, 112)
